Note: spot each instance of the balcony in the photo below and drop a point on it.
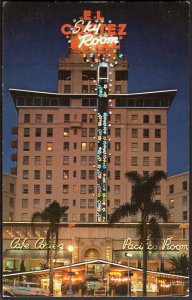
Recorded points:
(13, 157)
(14, 130)
(13, 171)
(14, 144)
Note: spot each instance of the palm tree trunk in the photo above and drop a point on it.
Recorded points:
(51, 268)
(145, 261)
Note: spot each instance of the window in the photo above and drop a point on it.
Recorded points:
(91, 146)
(171, 188)
(91, 189)
(24, 203)
(49, 146)
(157, 147)
(134, 161)
(92, 89)
(24, 217)
(157, 133)
(91, 118)
(48, 174)
(66, 132)
(184, 200)
(145, 161)
(145, 132)
(116, 202)
(121, 75)
(158, 190)
(83, 160)
(65, 174)
(66, 146)
(74, 145)
(91, 132)
(26, 118)
(91, 160)
(89, 75)
(49, 132)
(157, 119)
(26, 146)
(145, 118)
(117, 146)
(11, 202)
(184, 216)
(83, 146)
(84, 89)
(48, 189)
(117, 118)
(117, 160)
(117, 175)
(134, 118)
(91, 203)
(37, 132)
(64, 75)
(26, 132)
(83, 174)
(145, 174)
(65, 218)
(37, 160)
(91, 174)
(49, 160)
(65, 160)
(65, 188)
(146, 147)
(117, 189)
(48, 202)
(38, 118)
(90, 217)
(82, 217)
(171, 203)
(67, 88)
(184, 185)
(82, 189)
(134, 147)
(157, 161)
(84, 132)
(25, 160)
(66, 118)
(117, 132)
(36, 203)
(134, 133)
(74, 202)
(74, 188)
(36, 189)
(37, 174)
(49, 118)
(82, 203)
(65, 202)
(25, 188)
(37, 146)
(118, 89)
(25, 174)
(84, 118)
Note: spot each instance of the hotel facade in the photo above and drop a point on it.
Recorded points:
(75, 146)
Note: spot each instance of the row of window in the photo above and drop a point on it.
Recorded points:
(184, 216)
(84, 203)
(184, 187)
(91, 75)
(90, 217)
(91, 117)
(183, 202)
(84, 174)
(91, 146)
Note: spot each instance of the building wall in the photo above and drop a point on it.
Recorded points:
(9, 195)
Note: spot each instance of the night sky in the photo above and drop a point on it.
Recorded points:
(156, 44)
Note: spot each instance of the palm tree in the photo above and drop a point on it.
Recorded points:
(142, 201)
(51, 214)
(180, 265)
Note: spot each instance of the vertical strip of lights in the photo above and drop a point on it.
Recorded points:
(102, 143)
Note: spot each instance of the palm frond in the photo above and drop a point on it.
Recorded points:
(123, 211)
(36, 217)
(154, 233)
(157, 176)
(133, 177)
(158, 208)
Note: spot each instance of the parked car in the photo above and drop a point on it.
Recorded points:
(32, 288)
(7, 292)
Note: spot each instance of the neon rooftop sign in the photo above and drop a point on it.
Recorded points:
(93, 32)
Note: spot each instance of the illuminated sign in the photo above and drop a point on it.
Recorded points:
(167, 245)
(40, 244)
(93, 31)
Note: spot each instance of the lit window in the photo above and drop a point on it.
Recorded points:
(36, 189)
(134, 161)
(91, 203)
(25, 174)
(66, 146)
(83, 146)
(38, 118)
(48, 202)
(171, 203)
(117, 146)
(91, 146)
(65, 188)
(91, 174)
(48, 174)
(145, 161)
(74, 188)
(90, 217)
(49, 132)
(117, 175)
(65, 160)
(66, 132)
(26, 132)
(26, 146)
(82, 217)
(117, 132)
(117, 160)
(25, 160)
(24, 203)
(49, 146)
(82, 189)
(25, 188)
(117, 118)
(65, 174)
(134, 133)
(37, 160)
(134, 147)
(49, 160)
(66, 118)
(36, 203)
(37, 146)
(37, 132)
(82, 203)
(48, 189)
(157, 147)
(83, 174)
(37, 174)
